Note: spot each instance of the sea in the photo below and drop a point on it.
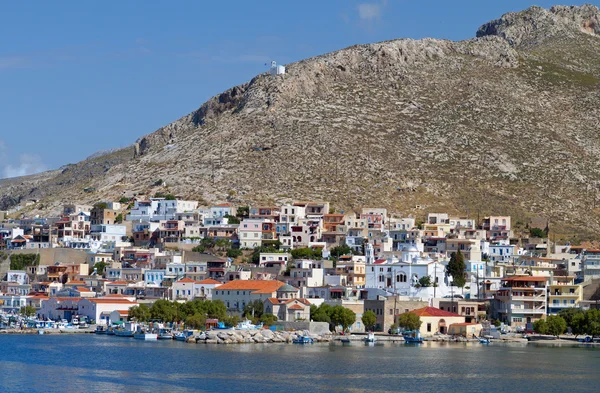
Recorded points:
(98, 363)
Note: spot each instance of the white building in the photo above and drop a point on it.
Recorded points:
(157, 209)
(108, 233)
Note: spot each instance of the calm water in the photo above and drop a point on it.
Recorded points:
(82, 363)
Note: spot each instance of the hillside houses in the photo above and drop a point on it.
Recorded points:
(341, 258)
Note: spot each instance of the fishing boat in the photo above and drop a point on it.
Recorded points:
(126, 330)
(247, 325)
(110, 331)
(345, 340)
(101, 329)
(484, 340)
(165, 334)
(145, 335)
(370, 338)
(303, 340)
(182, 336)
(40, 331)
(412, 337)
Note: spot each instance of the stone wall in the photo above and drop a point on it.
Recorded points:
(313, 327)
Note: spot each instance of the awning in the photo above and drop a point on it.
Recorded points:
(336, 290)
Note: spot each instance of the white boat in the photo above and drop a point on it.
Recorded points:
(145, 336)
(40, 331)
(182, 336)
(247, 325)
(165, 334)
(127, 330)
(370, 338)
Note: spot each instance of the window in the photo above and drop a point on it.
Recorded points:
(429, 327)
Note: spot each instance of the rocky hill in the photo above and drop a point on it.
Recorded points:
(506, 122)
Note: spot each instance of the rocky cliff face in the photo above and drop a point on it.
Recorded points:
(506, 122)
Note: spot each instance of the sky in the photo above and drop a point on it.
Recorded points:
(78, 77)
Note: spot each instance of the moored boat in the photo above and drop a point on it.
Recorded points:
(412, 337)
(303, 340)
(143, 335)
(182, 336)
(101, 329)
(370, 338)
(165, 334)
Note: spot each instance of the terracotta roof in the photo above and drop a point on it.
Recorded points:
(118, 283)
(433, 312)
(208, 281)
(465, 324)
(123, 312)
(62, 299)
(301, 300)
(257, 286)
(273, 300)
(379, 261)
(525, 278)
(186, 280)
(223, 205)
(112, 300)
(83, 289)
(296, 307)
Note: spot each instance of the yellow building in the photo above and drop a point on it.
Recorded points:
(563, 293)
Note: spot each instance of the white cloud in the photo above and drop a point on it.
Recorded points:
(369, 11)
(27, 164)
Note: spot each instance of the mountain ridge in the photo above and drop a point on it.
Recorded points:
(505, 122)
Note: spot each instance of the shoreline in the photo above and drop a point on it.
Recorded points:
(265, 336)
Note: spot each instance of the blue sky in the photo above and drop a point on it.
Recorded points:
(77, 77)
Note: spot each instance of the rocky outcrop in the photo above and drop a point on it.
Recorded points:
(536, 24)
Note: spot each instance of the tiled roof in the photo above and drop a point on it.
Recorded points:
(83, 289)
(208, 281)
(433, 312)
(111, 301)
(117, 283)
(296, 307)
(257, 286)
(273, 300)
(524, 278)
(186, 280)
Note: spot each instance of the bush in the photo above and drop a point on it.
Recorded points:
(22, 261)
(234, 253)
(537, 232)
(124, 200)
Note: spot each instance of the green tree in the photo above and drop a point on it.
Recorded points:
(165, 311)
(100, 266)
(540, 326)
(141, 313)
(425, 281)
(338, 251)
(231, 219)
(119, 218)
(101, 205)
(198, 249)
(556, 325)
(537, 232)
(457, 268)
(253, 309)
(307, 253)
(577, 324)
(570, 315)
(170, 197)
(592, 322)
(342, 316)
(267, 319)
(243, 212)
(124, 200)
(234, 253)
(196, 321)
(22, 261)
(222, 244)
(28, 311)
(231, 320)
(409, 321)
(369, 319)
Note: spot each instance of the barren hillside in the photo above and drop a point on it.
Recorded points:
(506, 122)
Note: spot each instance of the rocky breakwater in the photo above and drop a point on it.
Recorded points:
(259, 336)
